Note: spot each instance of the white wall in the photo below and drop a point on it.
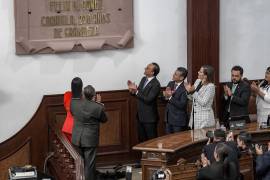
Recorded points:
(160, 35)
(244, 37)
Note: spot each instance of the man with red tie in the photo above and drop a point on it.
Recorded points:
(176, 110)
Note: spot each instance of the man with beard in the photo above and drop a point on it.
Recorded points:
(236, 95)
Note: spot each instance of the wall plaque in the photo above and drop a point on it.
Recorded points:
(52, 26)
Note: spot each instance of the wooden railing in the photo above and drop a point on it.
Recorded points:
(66, 163)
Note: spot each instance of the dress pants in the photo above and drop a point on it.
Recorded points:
(89, 156)
(146, 131)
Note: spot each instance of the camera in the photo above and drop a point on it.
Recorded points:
(264, 147)
(210, 134)
(159, 175)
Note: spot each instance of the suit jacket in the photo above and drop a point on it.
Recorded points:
(147, 101)
(263, 166)
(176, 109)
(202, 111)
(87, 117)
(238, 102)
(215, 172)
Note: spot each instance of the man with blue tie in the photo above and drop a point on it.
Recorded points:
(176, 110)
(236, 95)
(147, 93)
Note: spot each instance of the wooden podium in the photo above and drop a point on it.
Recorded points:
(166, 150)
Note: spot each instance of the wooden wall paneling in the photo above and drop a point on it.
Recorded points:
(37, 130)
(115, 137)
(17, 157)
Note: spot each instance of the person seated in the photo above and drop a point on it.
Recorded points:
(262, 90)
(76, 88)
(263, 163)
(222, 168)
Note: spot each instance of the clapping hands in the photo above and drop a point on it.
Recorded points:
(98, 98)
(190, 88)
(259, 150)
(230, 136)
(227, 90)
(167, 93)
(132, 87)
(254, 87)
(204, 160)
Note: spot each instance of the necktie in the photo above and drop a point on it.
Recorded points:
(175, 86)
(234, 88)
(145, 83)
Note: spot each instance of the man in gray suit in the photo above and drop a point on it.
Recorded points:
(85, 135)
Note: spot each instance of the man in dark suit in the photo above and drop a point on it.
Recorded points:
(147, 93)
(236, 95)
(176, 110)
(88, 115)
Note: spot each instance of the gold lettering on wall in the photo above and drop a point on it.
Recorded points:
(63, 6)
(61, 20)
(81, 31)
(70, 32)
(91, 13)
